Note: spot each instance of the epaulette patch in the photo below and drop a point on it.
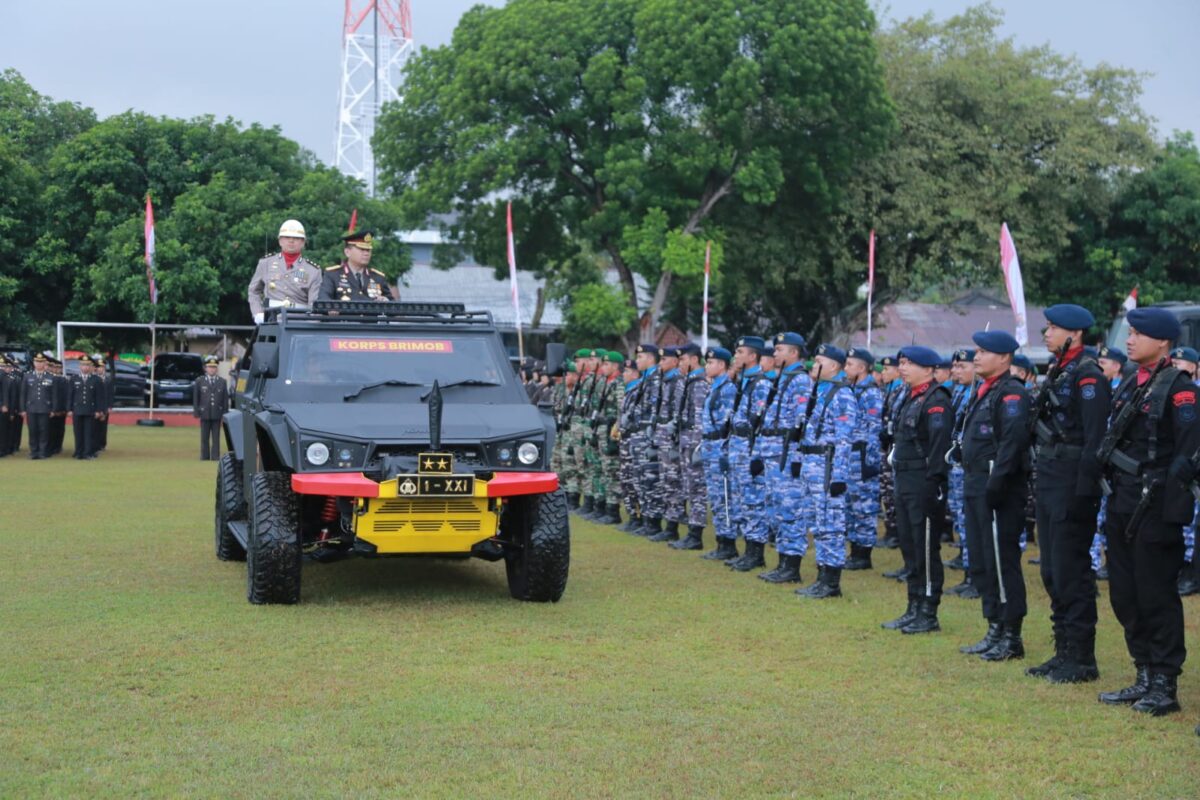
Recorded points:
(331, 269)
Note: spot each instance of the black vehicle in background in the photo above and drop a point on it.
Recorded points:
(174, 374)
(19, 352)
(1188, 315)
(130, 383)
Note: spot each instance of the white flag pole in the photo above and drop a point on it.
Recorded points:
(704, 313)
(512, 277)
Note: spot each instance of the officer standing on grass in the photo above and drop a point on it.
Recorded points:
(924, 423)
(645, 464)
(37, 403)
(893, 394)
(10, 390)
(58, 418)
(714, 427)
(995, 444)
(85, 401)
(1147, 459)
(1070, 418)
(747, 490)
(862, 508)
(689, 434)
(210, 401)
(626, 428)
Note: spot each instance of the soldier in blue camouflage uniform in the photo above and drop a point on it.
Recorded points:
(715, 422)
(962, 373)
(824, 455)
(627, 428)
(862, 507)
(665, 435)
(893, 393)
(788, 404)
(645, 457)
(691, 466)
(747, 490)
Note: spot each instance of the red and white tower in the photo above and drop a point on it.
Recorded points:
(376, 41)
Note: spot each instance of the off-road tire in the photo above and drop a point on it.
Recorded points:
(273, 562)
(231, 505)
(539, 554)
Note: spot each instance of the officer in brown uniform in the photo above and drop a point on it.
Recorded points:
(210, 401)
(354, 279)
(284, 279)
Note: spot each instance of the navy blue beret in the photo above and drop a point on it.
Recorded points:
(652, 349)
(889, 361)
(1070, 316)
(1186, 354)
(670, 351)
(690, 349)
(996, 341)
(1022, 361)
(965, 354)
(1157, 323)
(862, 354)
(719, 352)
(768, 349)
(921, 356)
(791, 338)
(944, 363)
(755, 343)
(1114, 353)
(832, 351)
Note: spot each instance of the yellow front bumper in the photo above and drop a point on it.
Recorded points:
(396, 525)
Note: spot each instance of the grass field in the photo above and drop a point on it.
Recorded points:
(132, 665)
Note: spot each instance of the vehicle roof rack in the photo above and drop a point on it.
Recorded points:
(374, 311)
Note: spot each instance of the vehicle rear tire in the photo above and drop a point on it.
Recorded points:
(273, 557)
(539, 552)
(231, 505)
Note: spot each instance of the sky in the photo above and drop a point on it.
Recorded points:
(278, 62)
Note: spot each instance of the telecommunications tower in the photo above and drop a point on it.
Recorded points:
(376, 41)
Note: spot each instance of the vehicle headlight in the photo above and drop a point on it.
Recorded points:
(317, 454)
(528, 453)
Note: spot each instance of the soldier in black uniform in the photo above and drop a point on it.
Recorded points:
(110, 400)
(893, 394)
(10, 392)
(924, 423)
(58, 418)
(1148, 459)
(995, 452)
(1070, 417)
(85, 401)
(210, 401)
(37, 404)
(354, 279)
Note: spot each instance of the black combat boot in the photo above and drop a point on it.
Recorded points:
(631, 524)
(788, 571)
(804, 591)
(828, 584)
(969, 591)
(585, 507)
(753, 558)
(1130, 694)
(956, 562)
(670, 533)
(612, 514)
(860, 558)
(651, 526)
(1009, 647)
(1053, 662)
(572, 501)
(1102, 573)
(899, 574)
(890, 540)
(1078, 664)
(899, 622)
(725, 550)
(693, 541)
(1188, 582)
(986, 643)
(1162, 696)
(926, 620)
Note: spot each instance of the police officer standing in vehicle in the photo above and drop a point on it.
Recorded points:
(995, 445)
(924, 423)
(354, 279)
(37, 403)
(210, 401)
(286, 278)
(1148, 461)
(1070, 417)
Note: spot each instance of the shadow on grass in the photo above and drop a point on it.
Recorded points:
(405, 580)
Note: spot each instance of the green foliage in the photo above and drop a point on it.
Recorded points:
(597, 310)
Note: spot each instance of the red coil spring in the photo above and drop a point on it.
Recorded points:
(330, 512)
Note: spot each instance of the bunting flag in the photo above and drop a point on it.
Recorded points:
(1130, 302)
(150, 251)
(1011, 266)
(512, 272)
(870, 282)
(704, 313)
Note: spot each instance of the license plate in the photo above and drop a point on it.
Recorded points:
(435, 485)
(172, 395)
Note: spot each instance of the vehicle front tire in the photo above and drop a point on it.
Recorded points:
(273, 557)
(538, 551)
(231, 505)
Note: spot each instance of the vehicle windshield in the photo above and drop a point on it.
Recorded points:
(1118, 333)
(320, 365)
(177, 368)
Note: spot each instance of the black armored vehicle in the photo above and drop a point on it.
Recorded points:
(386, 429)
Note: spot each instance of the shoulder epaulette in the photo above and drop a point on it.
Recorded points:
(377, 272)
(272, 255)
(335, 266)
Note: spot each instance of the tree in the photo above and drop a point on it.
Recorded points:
(622, 125)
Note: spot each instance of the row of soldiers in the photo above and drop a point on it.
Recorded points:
(776, 449)
(40, 400)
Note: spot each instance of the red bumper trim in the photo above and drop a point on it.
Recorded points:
(336, 484)
(513, 484)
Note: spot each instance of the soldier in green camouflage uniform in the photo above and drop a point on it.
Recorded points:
(559, 396)
(590, 386)
(574, 458)
(606, 480)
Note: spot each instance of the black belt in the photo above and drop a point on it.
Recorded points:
(909, 463)
(708, 437)
(742, 430)
(1072, 452)
(774, 431)
(816, 449)
(858, 447)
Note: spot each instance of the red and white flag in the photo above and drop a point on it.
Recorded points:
(353, 221)
(1130, 302)
(1011, 266)
(150, 251)
(512, 270)
(704, 313)
(870, 282)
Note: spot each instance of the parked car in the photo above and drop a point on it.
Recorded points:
(18, 352)
(131, 385)
(174, 374)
